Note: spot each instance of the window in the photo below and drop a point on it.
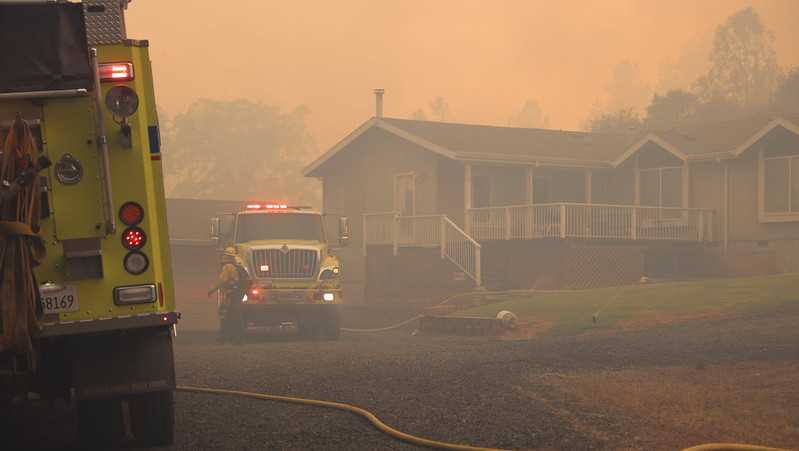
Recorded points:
(279, 226)
(481, 191)
(781, 185)
(661, 187)
(542, 189)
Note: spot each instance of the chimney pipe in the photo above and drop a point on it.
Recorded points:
(379, 102)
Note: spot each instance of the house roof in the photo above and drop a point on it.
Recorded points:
(568, 148)
(730, 137)
(480, 142)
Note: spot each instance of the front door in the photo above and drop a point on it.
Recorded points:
(405, 204)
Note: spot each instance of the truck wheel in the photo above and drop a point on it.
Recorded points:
(307, 327)
(100, 423)
(153, 418)
(332, 324)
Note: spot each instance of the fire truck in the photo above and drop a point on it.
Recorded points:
(296, 277)
(105, 314)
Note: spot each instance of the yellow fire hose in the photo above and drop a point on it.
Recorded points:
(405, 437)
(372, 418)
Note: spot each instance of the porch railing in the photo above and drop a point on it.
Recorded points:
(590, 221)
(431, 231)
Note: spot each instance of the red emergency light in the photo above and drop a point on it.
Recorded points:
(116, 72)
(268, 206)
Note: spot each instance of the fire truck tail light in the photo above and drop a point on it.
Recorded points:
(133, 238)
(131, 213)
(136, 263)
(116, 72)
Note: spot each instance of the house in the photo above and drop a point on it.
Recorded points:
(442, 206)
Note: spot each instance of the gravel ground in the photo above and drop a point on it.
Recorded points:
(468, 390)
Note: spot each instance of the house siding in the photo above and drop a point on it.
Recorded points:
(451, 190)
(361, 180)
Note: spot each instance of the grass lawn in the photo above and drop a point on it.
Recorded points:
(640, 306)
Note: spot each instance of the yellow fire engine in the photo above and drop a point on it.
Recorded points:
(106, 313)
(295, 276)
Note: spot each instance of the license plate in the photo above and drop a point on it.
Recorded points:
(60, 301)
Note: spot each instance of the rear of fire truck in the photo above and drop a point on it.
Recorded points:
(105, 315)
(295, 274)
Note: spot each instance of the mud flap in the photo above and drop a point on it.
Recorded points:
(123, 363)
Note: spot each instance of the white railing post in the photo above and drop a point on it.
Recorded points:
(507, 223)
(634, 224)
(562, 221)
(395, 231)
(363, 236)
(701, 226)
(478, 274)
(443, 236)
(710, 225)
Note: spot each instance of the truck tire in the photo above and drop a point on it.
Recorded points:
(152, 418)
(331, 327)
(100, 424)
(307, 327)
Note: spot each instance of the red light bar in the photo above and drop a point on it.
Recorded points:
(270, 206)
(116, 72)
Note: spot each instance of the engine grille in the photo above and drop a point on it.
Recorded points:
(294, 264)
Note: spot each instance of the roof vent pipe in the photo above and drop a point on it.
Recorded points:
(379, 102)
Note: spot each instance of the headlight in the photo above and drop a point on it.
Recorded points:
(329, 297)
(330, 273)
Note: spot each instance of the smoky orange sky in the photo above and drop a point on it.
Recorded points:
(486, 58)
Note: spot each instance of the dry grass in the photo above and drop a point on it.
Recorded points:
(676, 407)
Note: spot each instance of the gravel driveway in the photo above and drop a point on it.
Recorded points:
(455, 389)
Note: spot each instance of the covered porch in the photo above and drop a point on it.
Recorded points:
(645, 195)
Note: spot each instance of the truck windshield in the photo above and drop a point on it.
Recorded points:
(279, 226)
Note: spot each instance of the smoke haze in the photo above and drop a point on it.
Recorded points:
(486, 59)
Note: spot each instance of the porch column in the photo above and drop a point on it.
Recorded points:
(530, 197)
(530, 194)
(467, 197)
(589, 175)
(637, 183)
(686, 185)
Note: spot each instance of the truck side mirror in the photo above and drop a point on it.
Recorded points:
(343, 230)
(215, 229)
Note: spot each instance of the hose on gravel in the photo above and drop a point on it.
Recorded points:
(444, 302)
(731, 447)
(466, 294)
(405, 437)
(372, 418)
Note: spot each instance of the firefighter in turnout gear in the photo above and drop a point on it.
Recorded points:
(232, 286)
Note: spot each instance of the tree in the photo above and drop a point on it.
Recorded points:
(531, 115)
(671, 109)
(625, 120)
(239, 150)
(743, 63)
(786, 97)
(440, 109)
(419, 115)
